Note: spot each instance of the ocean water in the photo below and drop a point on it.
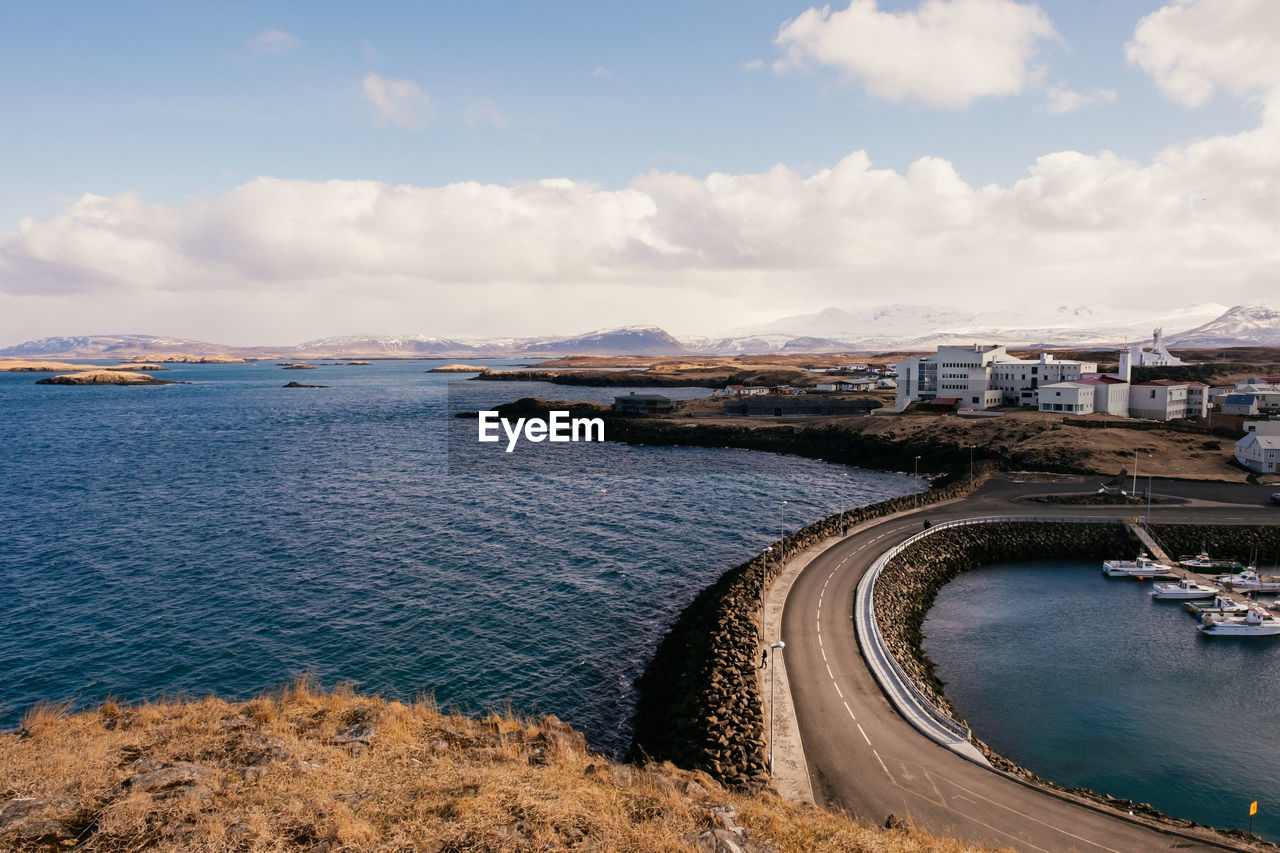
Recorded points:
(1087, 681)
(228, 535)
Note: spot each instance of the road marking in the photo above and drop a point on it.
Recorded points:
(882, 765)
(824, 653)
(1026, 816)
(864, 734)
(837, 687)
(833, 678)
(850, 710)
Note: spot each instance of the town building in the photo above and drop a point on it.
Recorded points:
(739, 391)
(1167, 400)
(1104, 395)
(1259, 450)
(981, 377)
(1156, 356)
(643, 404)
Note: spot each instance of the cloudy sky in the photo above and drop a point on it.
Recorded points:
(273, 172)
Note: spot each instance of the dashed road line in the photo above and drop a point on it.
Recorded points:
(864, 734)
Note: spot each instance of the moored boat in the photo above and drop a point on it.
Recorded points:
(1185, 589)
(1255, 623)
(1221, 605)
(1202, 562)
(1142, 568)
(1248, 580)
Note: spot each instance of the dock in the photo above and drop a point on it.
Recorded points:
(1138, 528)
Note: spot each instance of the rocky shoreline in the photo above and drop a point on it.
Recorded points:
(698, 703)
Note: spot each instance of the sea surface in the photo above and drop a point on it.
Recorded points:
(228, 535)
(1087, 681)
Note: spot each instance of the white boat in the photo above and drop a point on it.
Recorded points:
(1143, 567)
(1202, 562)
(1184, 590)
(1220, 606)
(1247, 580)
(1255, 623)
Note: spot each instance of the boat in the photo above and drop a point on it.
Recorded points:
(1202, 562)
(1255, 623)
(1142, 568)
(1221, 605)
(1247, 580)
(1183, 590)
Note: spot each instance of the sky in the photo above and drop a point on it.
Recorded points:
(268, 172)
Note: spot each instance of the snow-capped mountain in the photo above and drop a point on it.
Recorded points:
(109, 346)
(629, 340)
(384, 346)
(888, 327)
(1243, 325)
(879, 329)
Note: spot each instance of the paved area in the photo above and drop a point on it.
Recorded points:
(861, 756)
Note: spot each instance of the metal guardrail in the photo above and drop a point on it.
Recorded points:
(931, 720)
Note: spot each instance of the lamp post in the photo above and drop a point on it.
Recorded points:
(917, 474)
(1134, 490)
(783, 557)
(1148, 500)
(773, 669)
(764, 587)
(971, 447)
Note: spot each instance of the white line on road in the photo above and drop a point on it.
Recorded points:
(850, 710)
(833, 678)
(837, 687)
(882, 765)
(864, 734)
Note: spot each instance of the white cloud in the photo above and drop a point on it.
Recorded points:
(1193, 47)
(1061, 99)
(274, 41)
(753, 65)
(1091, 227)
(482, 113)
(398, 102)
(601, 71)
(946, 53)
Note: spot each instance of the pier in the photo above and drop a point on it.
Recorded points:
(1241, 598)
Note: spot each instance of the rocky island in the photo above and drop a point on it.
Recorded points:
(104, 377)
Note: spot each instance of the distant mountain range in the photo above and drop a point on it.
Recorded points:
(880, 329)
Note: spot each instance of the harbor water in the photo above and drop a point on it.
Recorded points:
(1088, 682)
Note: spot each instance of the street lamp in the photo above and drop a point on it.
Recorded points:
(764, 587)
(1148, 500)
(971, 447)
(773, 669)
(917, 474)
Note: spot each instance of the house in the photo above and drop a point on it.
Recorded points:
(787, 390)
(846, 385)
(1240, 404)
(739, 391)
(1259, 450)
(643, 404)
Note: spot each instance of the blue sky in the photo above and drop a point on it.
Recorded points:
(147, 144)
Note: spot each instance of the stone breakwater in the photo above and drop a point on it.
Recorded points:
(1223, 541)
(698, 704)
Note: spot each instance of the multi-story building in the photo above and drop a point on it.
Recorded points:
(1167, 400)
(981, 377)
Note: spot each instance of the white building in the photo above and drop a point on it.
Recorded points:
(739, 391)
(980, 377)
(1020, 379)
(1259, 450)
(1105, 395)
(1157, 356)
(1167, 400)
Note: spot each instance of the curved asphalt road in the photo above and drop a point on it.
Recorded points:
(865, 758)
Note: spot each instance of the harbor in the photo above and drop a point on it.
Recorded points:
(1231, 609)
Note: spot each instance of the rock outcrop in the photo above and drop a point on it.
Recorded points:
(103, 377)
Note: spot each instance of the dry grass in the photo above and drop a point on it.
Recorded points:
(307, 770)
